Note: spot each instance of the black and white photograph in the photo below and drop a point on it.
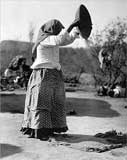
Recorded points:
(63, 79)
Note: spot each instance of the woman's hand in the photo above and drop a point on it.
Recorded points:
(75, 32)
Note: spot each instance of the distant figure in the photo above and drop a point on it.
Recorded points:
(117, 91)
(105, 58)
(103, 90)
(18, 71)
(15, 66)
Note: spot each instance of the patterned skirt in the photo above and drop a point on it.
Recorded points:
(45, 109)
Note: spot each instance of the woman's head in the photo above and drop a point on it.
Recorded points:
(52, 27)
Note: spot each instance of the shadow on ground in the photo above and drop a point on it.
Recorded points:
(84, 107)
(8, 149)
(12, 103)
(77, 138)
(91, 107)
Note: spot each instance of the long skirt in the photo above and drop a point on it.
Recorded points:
(45, 110)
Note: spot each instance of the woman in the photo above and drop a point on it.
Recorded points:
(14, 70)
(45, 111)
(14, 66)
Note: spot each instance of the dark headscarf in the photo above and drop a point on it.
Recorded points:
(52, 27)
(83, 19)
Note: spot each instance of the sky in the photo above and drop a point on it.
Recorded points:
(16, 16)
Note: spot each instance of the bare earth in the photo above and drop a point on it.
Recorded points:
(82, 128)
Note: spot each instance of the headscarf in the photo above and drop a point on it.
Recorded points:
(52, 27)
(83, 19)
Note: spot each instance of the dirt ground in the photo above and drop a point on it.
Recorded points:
(94, 115)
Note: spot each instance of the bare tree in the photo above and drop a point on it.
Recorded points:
(31, 32)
